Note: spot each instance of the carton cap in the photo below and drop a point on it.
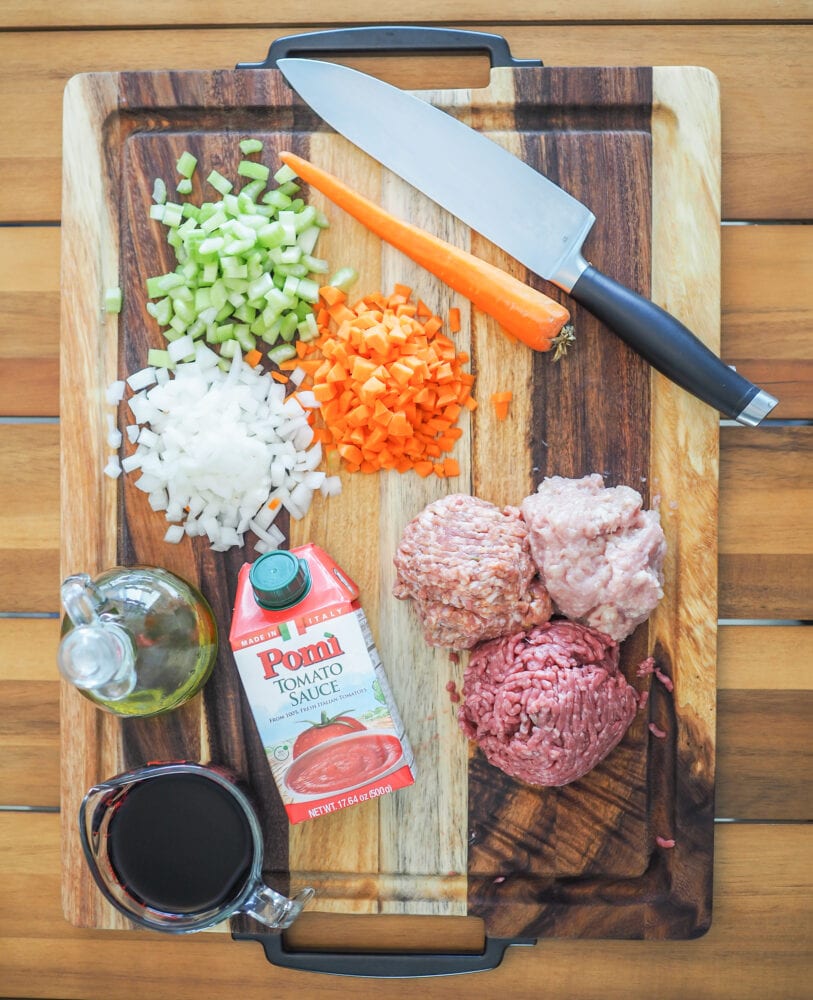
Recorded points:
(279, 579)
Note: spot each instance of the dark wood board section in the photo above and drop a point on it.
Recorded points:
(641, 148)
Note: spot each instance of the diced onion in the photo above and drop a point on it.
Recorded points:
(221, 452)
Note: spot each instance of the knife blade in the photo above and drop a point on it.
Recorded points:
(534, 220)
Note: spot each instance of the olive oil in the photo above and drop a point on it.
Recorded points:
(136, 641)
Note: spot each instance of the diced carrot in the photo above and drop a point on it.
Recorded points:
(350, 453)
(323, 391)
(454, 322)
(337, 373)
(340, 312)
(331, 296)
(280, 377)
(389, 386)
(253, 358)
(500, 401)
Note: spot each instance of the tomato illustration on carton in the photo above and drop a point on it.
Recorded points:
(327, 729)
(304, 651)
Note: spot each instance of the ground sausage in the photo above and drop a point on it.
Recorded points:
(599, 554)
(467, 566)
(547, 705)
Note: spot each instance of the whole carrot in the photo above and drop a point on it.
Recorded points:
(522, 311)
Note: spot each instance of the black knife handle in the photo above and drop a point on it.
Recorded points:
(384, 965)
(670, 347)
(402, 38)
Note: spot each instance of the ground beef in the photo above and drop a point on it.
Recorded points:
(467, 566)
(599, 554)
(547, 705)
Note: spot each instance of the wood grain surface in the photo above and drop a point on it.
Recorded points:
(35, 66)
(759, 944)
(90, 13)
(488, 846)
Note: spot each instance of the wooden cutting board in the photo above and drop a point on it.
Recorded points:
(641, 148)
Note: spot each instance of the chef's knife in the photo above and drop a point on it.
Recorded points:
(534, 220)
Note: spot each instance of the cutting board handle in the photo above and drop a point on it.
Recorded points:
(405, 39)
(384, 965)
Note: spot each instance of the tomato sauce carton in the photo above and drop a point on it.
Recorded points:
(317, 689)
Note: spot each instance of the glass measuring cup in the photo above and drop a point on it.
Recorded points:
(178, 847)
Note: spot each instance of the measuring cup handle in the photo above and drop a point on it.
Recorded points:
(384, 965)
(391, 38)
(273, 909)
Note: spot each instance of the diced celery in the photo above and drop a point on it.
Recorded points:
(245, 268)
(244, 338)
(186, 164)
(185, 310)
(173, 214)
(344, 278)
(288, 326)
(231, 204)
(157, 212)
(271, 235)
(315, 265)
(162, 283)
(159, 359)
(159, 191)
(235, 285)
(308, 290)
(302, 309)
(228, 348)
(283, 352)
(245, 313)
(304, 218)
(181, 291)
(250, 193)
(224, 332)
(213, 221)
(256, 171)
(212, 245)
(277, 198)
(112, 300)
(270, 334)
(308, 328)
(284, 174)
(219, 182)
(233, 267)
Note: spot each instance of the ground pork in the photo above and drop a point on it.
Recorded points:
(599, 554)
(546, 705)
(467, 566)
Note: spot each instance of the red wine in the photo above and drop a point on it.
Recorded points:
(180, 843)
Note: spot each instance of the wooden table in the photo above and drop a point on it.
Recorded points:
(760, 941)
